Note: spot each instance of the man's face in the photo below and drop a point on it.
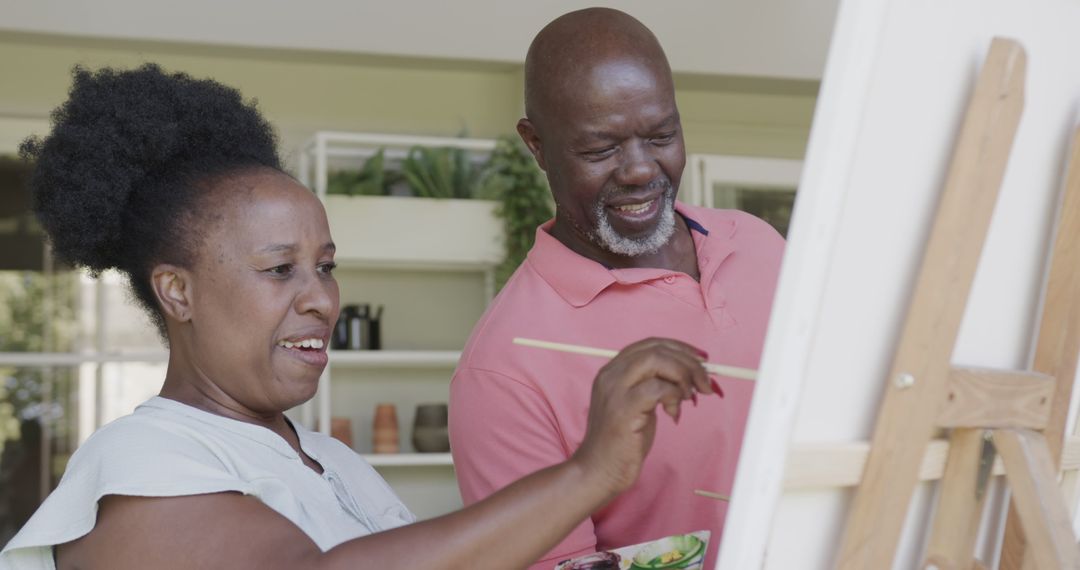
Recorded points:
(612, 148)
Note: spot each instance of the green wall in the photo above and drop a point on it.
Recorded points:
(302, 92)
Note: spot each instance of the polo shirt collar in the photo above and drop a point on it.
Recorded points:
(578, 279)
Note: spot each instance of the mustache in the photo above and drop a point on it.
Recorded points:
(659, 184)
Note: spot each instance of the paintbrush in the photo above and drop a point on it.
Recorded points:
(718, 369)
(712, 495)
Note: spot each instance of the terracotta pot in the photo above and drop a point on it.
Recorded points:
(341, 429)
(430, 434)
(385, 430)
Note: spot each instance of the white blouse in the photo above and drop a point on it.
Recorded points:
(169, 449)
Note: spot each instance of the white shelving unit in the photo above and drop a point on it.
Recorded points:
(444, 360)
(74, 359)
(444, 235)
(394, 358)
(409, 459)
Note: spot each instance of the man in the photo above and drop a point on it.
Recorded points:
(621, 261)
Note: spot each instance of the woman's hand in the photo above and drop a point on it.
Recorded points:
(622, 414)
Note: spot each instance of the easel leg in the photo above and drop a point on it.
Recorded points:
(1058, 346)
(1039, 502)
(956, 521)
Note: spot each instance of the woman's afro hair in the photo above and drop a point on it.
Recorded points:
(118, 182)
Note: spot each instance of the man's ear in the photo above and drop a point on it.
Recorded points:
(172, 287)
(527, 132)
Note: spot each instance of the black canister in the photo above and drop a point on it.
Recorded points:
(375, 329)
(359, 337)
(340, 338)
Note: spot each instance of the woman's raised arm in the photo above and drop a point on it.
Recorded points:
(509, 529)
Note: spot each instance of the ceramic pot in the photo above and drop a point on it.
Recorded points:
(341, 429)
(385, 430)
(430, 434)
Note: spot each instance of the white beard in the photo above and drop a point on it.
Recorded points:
(609, 239)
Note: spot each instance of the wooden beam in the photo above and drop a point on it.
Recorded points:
(986, 398)
(917, 382)
(1039, 504)
(827, 465)
(837, 465)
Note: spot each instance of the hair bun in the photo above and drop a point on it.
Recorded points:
(128, 140)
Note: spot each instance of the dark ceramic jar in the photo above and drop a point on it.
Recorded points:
(430, 434)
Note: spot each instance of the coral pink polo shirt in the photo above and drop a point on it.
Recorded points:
(515, 409)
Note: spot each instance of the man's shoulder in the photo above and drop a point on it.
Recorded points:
(524, 296)
(526, 306)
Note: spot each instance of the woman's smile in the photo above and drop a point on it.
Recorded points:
(310, 350)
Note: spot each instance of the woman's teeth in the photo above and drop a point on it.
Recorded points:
(306, 343)
(635, 208)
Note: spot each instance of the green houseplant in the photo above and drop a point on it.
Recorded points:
(440, 172)
(429, 172)
(512, 178)
(509, 176)
(373, 179)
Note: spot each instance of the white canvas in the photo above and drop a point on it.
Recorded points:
(896, 85)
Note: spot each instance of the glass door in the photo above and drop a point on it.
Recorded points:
(764, 187)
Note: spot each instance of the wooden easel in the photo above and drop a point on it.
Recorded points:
(1021, 413)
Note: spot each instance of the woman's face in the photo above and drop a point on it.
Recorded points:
(264, 299)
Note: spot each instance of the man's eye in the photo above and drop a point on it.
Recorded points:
(600, 154)
(327, 268)
(664, 138)
(284, 269)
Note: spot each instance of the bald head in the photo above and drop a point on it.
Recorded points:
(602, 123)
(573, 48)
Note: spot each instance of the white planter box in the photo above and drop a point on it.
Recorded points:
(387, 231)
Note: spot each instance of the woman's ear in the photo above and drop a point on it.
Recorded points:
(172, 286)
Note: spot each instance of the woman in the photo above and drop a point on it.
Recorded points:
(176, 183)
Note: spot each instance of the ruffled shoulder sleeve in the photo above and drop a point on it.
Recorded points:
(136, 456)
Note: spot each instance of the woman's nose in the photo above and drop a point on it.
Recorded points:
(319, 295)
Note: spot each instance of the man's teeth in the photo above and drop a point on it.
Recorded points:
(306, 343)
(635, 208)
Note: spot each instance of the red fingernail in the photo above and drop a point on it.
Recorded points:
(677, 418)
(702, 353)
(693, 398)
(716, 388)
